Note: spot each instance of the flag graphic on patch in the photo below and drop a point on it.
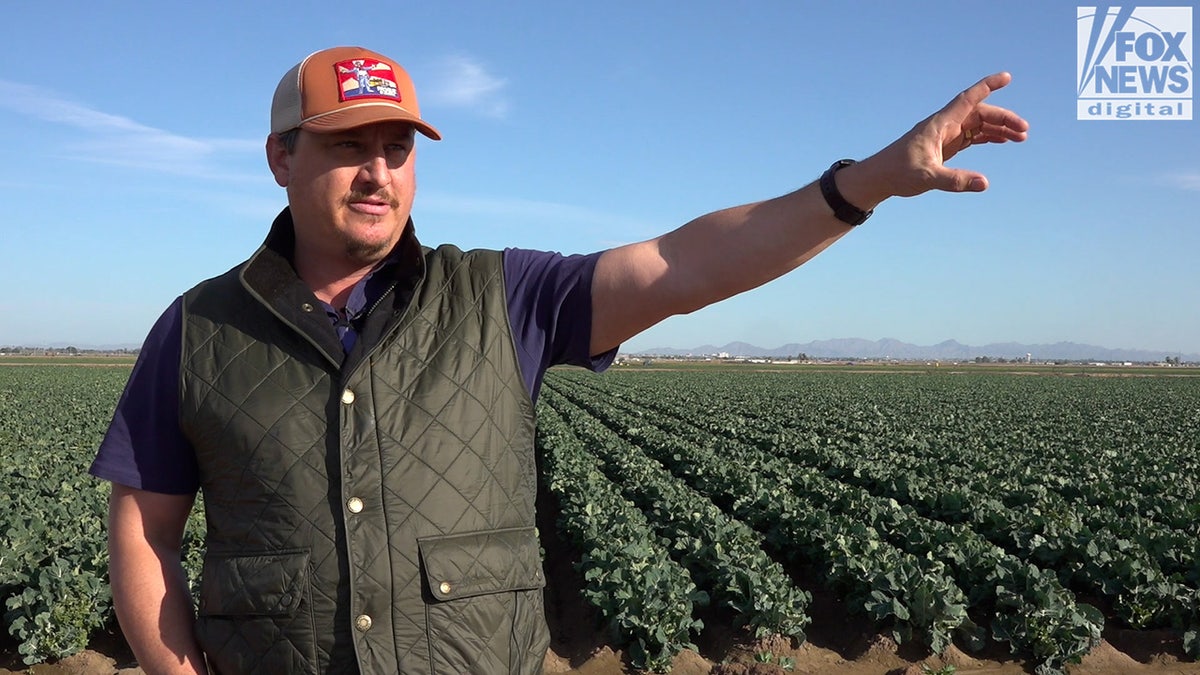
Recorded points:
(365, 78)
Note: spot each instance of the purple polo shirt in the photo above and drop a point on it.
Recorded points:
(549, 309)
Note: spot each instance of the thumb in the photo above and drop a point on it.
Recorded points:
(960, 180)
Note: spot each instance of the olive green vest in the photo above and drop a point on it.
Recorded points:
(369, 513)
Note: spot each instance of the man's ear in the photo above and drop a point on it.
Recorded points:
(279, 159)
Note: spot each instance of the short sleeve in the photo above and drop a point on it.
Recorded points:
(550, 311)
(144, 448)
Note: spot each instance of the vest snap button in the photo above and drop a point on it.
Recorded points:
(363, 623)
(444, 588)
(354, 504)
(306, 307)
(347, 397)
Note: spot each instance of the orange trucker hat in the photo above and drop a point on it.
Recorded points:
(345, 87)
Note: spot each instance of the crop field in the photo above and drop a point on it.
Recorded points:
(973, 509)
(54, 595)
(966, 508)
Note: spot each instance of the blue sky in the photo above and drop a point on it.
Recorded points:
(133, 135)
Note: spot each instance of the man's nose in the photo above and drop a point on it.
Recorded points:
(376, 171)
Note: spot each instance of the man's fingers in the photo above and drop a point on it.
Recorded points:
(992, 133)
(972, 96)
(1001, 123)
(979, 91)
(960, 180)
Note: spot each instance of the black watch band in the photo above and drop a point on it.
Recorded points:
(842, 209)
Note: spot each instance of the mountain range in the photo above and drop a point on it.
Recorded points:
(949, 350)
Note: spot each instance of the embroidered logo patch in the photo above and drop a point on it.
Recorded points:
(365, 78)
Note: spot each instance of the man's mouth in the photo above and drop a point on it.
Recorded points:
(375, 205)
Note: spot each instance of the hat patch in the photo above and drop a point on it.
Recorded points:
(365, 78)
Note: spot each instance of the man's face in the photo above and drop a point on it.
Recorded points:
(350, 192)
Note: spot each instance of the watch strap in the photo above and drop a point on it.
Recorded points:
(842, 209)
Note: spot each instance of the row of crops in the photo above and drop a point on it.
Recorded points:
(943, 508)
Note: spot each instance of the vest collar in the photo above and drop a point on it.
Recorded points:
(270, 277)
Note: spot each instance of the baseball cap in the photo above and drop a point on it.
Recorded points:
(342, 88)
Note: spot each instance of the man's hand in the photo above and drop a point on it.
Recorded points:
(916, 162)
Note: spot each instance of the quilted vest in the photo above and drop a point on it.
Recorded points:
(371, 513)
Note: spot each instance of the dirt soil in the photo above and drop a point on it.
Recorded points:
(723, 653)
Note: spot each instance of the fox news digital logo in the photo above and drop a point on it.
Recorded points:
(1135, 63)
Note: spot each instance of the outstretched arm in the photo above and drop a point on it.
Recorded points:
(150, 591)
(727, 252)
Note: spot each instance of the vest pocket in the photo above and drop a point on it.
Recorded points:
(255, 613)
(484, 611)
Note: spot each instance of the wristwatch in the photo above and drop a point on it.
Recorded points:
(842, 209)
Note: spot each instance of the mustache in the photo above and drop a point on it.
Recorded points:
(382, 195)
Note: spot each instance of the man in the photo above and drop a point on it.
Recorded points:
(358, 410)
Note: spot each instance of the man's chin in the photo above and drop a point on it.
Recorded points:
(368, 252)
(366, 255)
(371, 249)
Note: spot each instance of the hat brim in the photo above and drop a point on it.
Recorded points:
(367, 113)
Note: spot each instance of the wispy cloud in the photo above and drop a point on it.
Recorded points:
(112, 139)
(1185, 180)
(463, 82)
